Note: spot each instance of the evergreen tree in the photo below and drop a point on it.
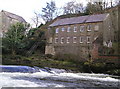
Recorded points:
(14, 38)
(49, 11)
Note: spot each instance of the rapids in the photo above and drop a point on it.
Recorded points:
(24, 76)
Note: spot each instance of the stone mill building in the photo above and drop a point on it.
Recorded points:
(79, 35)
(7, 19)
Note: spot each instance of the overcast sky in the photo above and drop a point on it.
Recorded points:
(26, 8)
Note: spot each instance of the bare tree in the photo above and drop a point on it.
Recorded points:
(73, 7)
(117, 2)
(69, 8)
(36, 19)
(79, 8)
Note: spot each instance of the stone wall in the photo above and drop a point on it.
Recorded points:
(50, 50)
(7, 19)
(0, 24)
(83, 50)
(108, 29)
(113, 21)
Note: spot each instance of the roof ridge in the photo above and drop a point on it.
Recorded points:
(82, 16)
(9, 13)
(80, 19)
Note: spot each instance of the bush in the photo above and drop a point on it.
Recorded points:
(67, 57)
(101, 66)
(114, 72)
(49, 55)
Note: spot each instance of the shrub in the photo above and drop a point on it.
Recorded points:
(114, 72)
(49, 55)
(67, 57)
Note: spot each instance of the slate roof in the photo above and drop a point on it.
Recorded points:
(79, 20)
(14, 16)
(96, 18)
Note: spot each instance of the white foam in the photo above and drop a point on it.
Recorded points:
(9, 80)
(98, 77)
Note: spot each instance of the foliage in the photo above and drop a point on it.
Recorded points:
(14, 38)
(49, 55)
(40, 61)
(35, 36)
(113, 51)
(49, 11)
(31, 32)
(68, 57)
(94, 8)
(114, 72)
(103, 50)
(102, 66)
(116, 47)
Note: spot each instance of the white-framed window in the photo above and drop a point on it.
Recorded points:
(68, 29)
(88, 39)
(63, 29)
(57, 30)
(68, 39)
(81, 39)
(110, 44)
(74, 39)
(62, 40)
(75, 29)
(56, 40)
(89, 27)
(82, 28)
(96, 27)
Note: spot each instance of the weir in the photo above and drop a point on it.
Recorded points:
(25, 76)
(23, 69)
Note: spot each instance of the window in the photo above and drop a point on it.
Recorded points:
(63, 29)
(88, 39)
(62, 40)
(81, 39)
(75, 29)
(68, 39)
(110, 44)
(56, 40)
(57, 30)
(89, 27)
(74, 39)
(109, 27)
(68, 29)
(82, 28)
(105, 43)
(96, 27)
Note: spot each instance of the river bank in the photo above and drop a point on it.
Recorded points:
(69, 65)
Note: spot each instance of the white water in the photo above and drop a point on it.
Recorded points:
(57, 78)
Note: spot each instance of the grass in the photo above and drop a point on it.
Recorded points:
(36, 60)
(97, 66)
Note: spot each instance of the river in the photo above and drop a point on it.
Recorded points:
(51, 77)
